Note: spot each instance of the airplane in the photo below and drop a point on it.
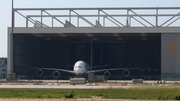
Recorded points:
(81, 68)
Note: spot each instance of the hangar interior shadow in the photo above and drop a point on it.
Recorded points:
(116, 51)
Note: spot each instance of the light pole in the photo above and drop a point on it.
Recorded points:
(10, 70)
(12, 29)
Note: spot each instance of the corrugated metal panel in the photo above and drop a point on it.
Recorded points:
(170, 55)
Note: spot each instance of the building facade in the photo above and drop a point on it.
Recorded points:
(144, 38)
(3, 68)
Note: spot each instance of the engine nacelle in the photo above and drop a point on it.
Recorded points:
(39, 72)
(126, 72)
(56, 74)
(107, 74)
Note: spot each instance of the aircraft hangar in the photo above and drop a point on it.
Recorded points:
(143, 41)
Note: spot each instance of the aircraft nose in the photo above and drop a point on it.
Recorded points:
(78, 71)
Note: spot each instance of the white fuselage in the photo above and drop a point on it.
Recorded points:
(80, 68)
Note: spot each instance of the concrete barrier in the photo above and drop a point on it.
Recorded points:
(137, 80)
(77, 81)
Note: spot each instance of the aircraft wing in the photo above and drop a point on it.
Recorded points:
(56, 69)
(101, 70)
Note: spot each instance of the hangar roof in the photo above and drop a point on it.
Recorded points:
(98, 34)
(97, 17)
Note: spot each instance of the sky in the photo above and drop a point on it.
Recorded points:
(5, 10)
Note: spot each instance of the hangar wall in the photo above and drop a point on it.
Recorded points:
(33, 52)
(170, 56)
(55, 54)
(26, 52)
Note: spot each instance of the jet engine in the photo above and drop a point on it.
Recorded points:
(126, 72)
(39, 72)
(56, 74)
(107, 74)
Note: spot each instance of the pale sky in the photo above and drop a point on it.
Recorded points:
(5, 10)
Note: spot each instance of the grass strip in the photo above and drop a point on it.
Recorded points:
(132, 93)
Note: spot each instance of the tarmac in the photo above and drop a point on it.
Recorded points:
(65, 84)
(60, 84)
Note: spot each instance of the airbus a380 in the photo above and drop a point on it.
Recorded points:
(80, 68)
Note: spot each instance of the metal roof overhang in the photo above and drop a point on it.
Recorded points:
(100, 30)
(96, 33)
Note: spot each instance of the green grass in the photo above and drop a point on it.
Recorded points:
(132, 93)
